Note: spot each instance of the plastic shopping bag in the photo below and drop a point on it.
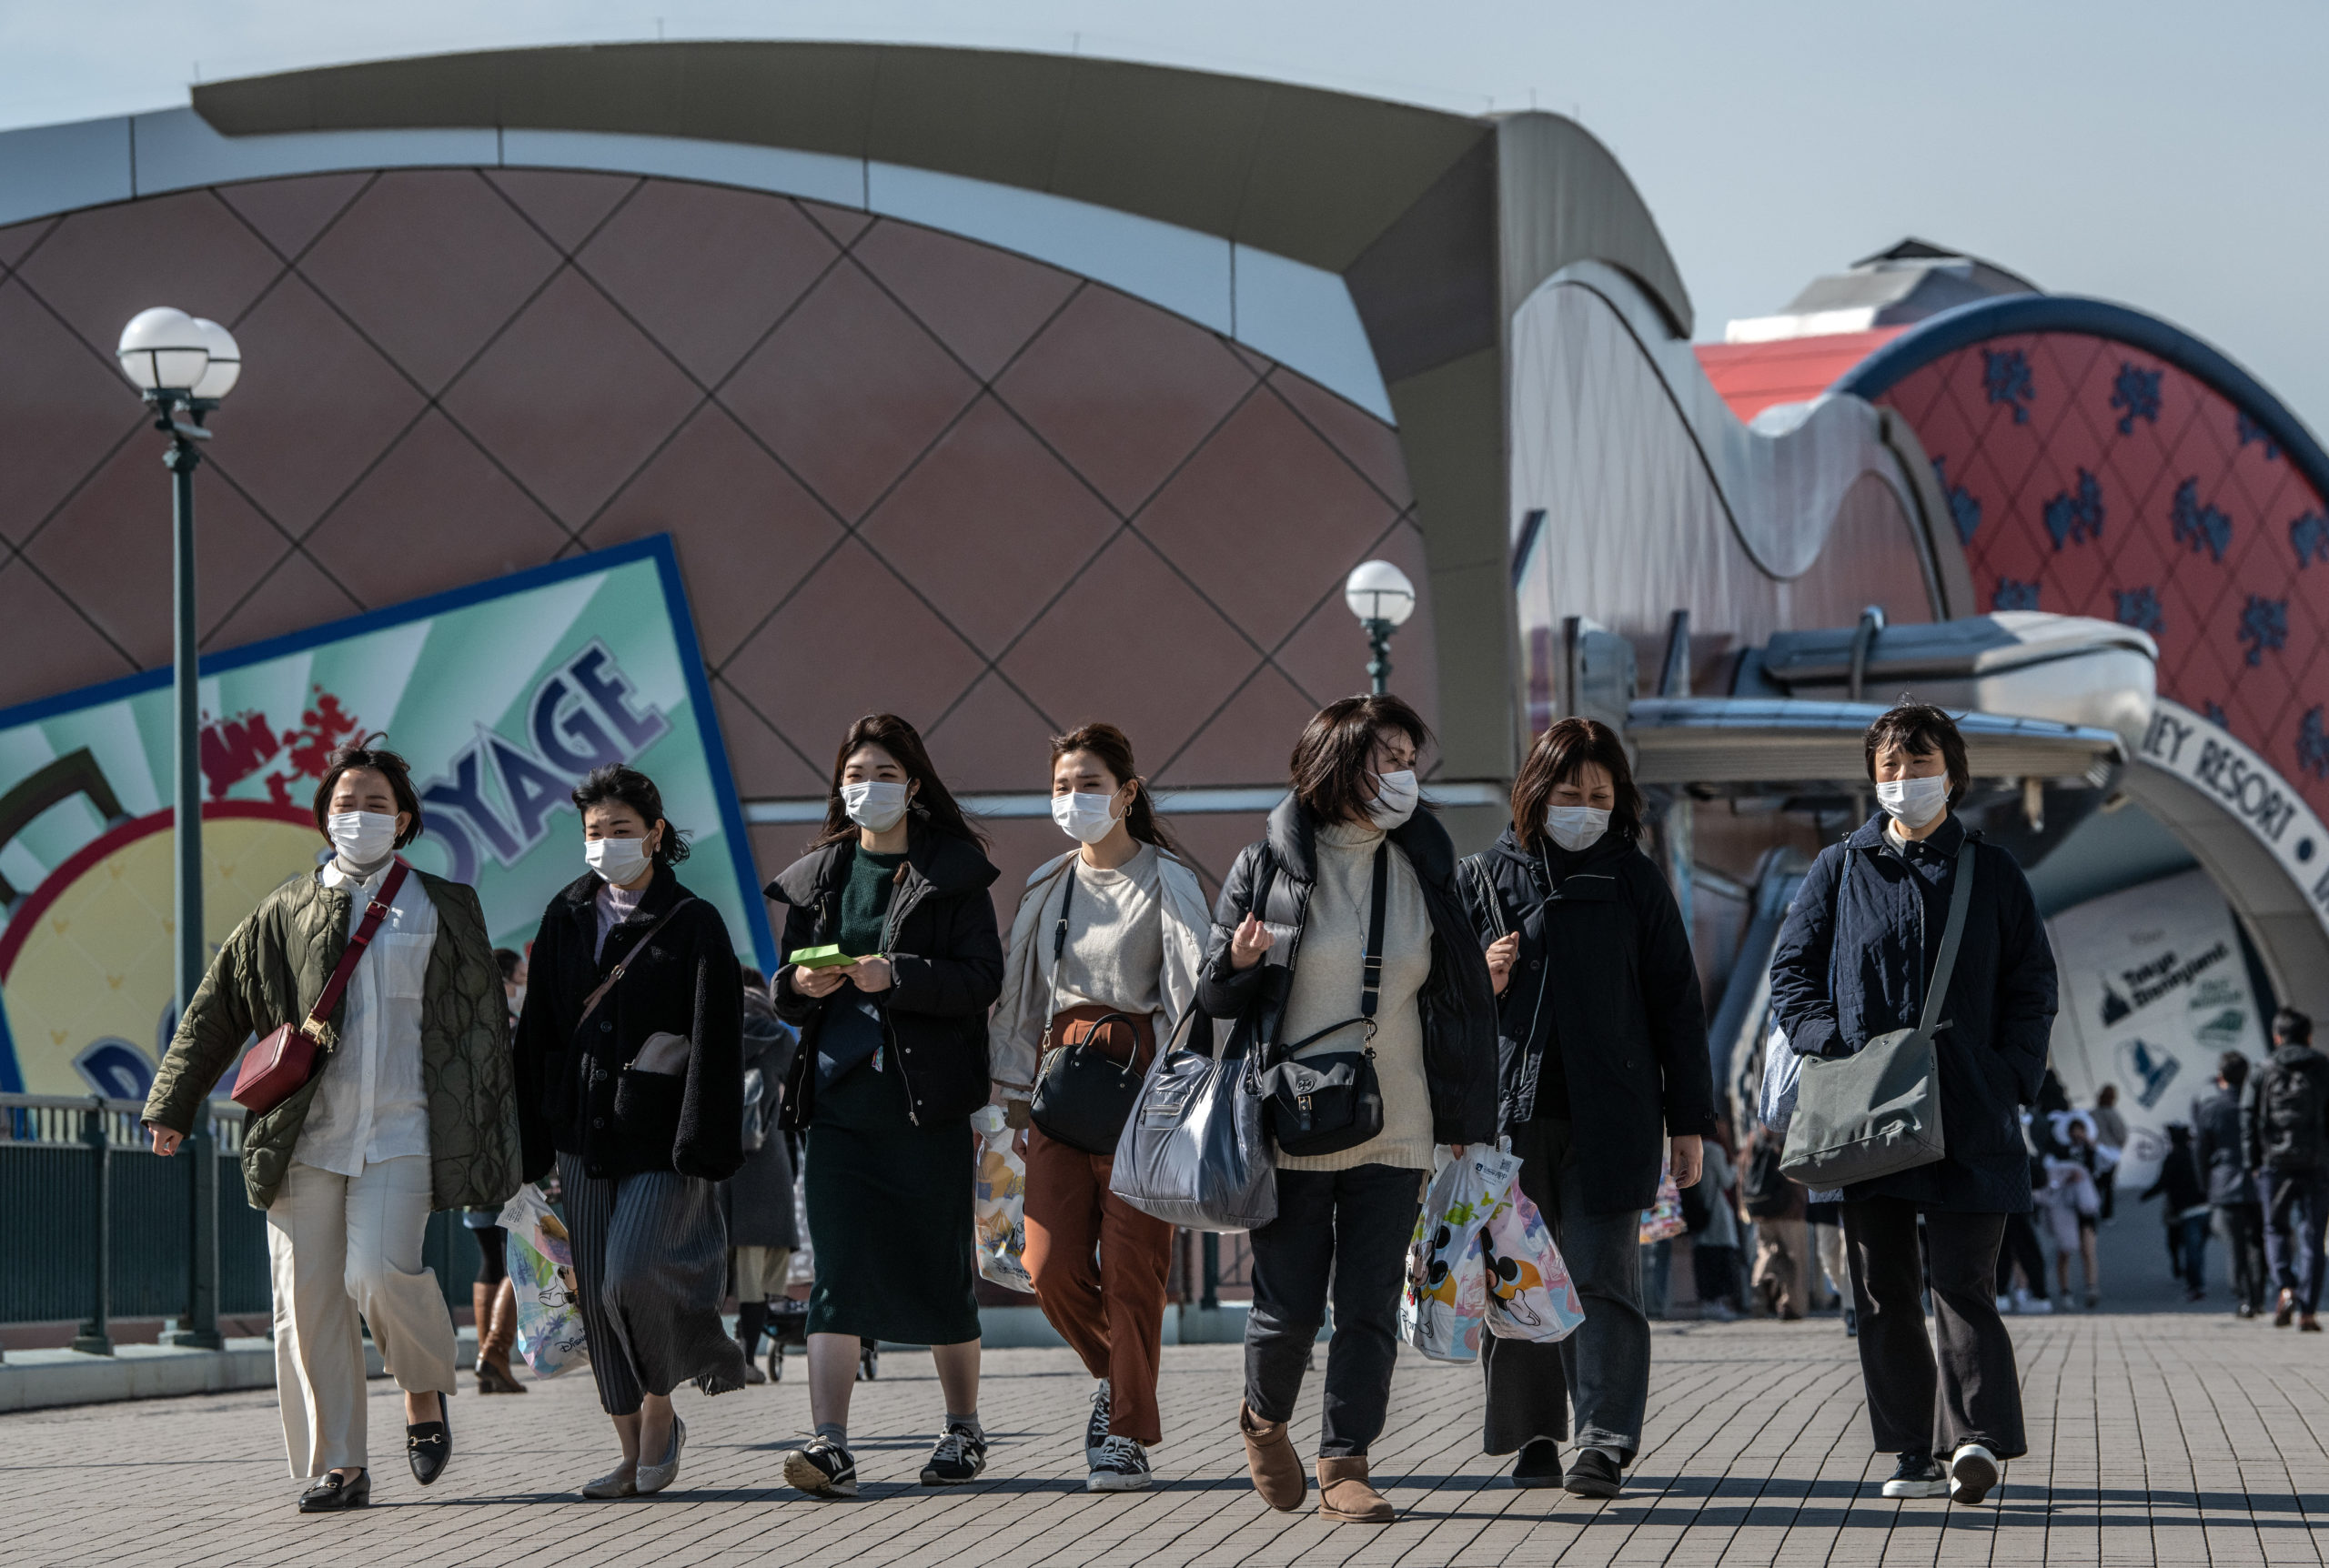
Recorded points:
(1664, 1218)
(1530, 1293)
(1001, 1202)
(1444, 1304)
(541, 1270)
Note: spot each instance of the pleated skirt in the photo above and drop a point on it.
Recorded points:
(650, 1265)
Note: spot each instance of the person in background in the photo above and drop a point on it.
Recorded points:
(2019, 1249)
(1299, 902)
(2221, 1156)
(1782, 1238)
(1714, 1251)
(893, 1062)
(2185, 1212)
(2285, 1123)
(409, 1110)
(1603, 1070)
(493, 1300)
(758, 1200)
(639, 1102)
(2074, 1200)
(1115, 927)
(1830, 1275)
(1853, 961)
(2111, 1133)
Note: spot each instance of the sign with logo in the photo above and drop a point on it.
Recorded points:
(2205, 755)
(501, 696)
(2153, 991)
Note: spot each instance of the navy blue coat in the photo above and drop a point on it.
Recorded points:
(1853, 962)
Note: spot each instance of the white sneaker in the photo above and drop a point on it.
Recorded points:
(1972, 1473)
(2006, 1304)
(1095, 1425)
(2038, 1306)
(1122, 1466)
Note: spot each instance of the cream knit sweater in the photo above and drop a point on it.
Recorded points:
(1329, 970)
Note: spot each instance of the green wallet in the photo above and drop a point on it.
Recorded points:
(823, 958)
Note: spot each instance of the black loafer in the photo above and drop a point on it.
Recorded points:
(429, 1444)
(1593, 1473)
(332, 1493)
(1539, 1465)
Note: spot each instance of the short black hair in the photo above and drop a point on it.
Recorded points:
(380, 761)
(1918, 729)
(629, 787)
(2292, 1026)
(508, 958)
(2233, 1068)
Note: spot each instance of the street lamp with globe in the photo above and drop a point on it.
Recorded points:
(184, 366)
(1380, 595)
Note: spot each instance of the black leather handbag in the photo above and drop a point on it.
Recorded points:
(1325, 1103)
(1086, 1093)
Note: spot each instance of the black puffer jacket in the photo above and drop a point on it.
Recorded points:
(2218, 1149)
(1458, 1005)
(1604, 975)
(1853, 962)
(945, 961)
(576, 1092)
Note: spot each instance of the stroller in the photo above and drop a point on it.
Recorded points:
(788, 1324)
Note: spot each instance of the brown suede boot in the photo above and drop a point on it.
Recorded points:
(1270, 1458)
(1344, 1494)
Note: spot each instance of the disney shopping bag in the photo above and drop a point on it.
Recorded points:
(1444, 1304)
(1530, 1293)
(540, 1258)
(1663, 1218)
(1001, 1202)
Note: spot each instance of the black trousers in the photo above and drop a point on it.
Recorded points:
(1352, 1228)
(2020, 1246)
(1974, 1394)
(2244, 1237)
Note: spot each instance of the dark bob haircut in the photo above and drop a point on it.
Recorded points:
(1921, 729)
(617, 785)
(380, 761)
(930, 803)
(1336, 752)
(1554, 760)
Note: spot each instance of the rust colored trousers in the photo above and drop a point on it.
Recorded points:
(1099, 1266)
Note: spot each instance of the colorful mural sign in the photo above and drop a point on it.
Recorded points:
(2154, 989)
(501, 695)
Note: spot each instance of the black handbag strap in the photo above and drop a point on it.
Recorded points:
(1960, 898)
(1059, 932)
(590, 1003)
(1370, 985)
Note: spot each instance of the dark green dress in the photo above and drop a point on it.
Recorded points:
(890, 1204)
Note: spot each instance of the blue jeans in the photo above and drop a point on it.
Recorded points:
(1604, 1367)
(2296, 1208)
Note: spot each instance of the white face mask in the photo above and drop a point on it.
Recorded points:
(617, 861)
(1575, 827)
(1913, 802)
(1395, 795)
(362, 838)
(517, 1000)
(877, 806)
(1086, 818)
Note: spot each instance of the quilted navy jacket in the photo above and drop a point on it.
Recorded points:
(1853, 962)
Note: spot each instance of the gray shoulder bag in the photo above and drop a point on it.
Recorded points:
(1878, 1112)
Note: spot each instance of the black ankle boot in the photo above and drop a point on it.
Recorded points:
(752, 1322)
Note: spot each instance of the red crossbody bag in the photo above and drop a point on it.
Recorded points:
(275, 1068)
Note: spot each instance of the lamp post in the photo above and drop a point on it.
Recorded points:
(1380, 595)
(184, 366)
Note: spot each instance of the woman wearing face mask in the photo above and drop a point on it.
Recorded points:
(1115, 928)
(408, 1109)
(1602, 1062)
(1303, 900)
(630, 1073)
(892, 1063)
(1854, 960)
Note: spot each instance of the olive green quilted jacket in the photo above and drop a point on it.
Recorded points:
(270, 973)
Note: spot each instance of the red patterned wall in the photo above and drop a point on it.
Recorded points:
(902, 469)
(2091, 479)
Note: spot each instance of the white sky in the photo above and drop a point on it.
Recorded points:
(2168, 156)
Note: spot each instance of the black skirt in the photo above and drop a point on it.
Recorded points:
(890, 1216)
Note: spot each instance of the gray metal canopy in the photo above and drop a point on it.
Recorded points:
(1726, 742)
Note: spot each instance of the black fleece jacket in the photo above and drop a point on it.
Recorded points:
(577, 1091)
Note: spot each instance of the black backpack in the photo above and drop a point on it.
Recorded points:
(2289, 1113)
(1761, 1185)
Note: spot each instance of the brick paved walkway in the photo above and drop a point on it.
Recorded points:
(2166, 1438)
